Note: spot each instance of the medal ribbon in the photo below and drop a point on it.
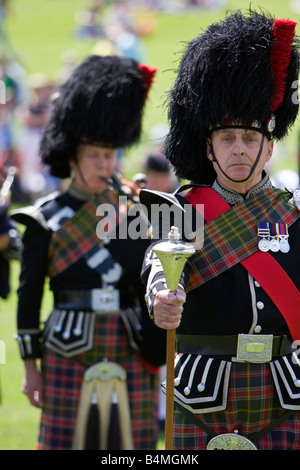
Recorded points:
(282, 230)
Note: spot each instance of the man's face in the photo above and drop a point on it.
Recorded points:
(93, 164)
(236, 151)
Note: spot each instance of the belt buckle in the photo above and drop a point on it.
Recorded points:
(105, 300)
(254, 348)
(230, 441)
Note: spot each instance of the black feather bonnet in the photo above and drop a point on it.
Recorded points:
(101, 103)
(242, 70)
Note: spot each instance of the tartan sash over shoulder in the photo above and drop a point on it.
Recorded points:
(77, 236)
(231, 237)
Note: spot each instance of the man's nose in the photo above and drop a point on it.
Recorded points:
(238, 147)
(100, 161)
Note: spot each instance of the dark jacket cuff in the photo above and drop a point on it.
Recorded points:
(29, 344)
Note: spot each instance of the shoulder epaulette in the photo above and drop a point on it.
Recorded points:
(25, 215)
(149, 197)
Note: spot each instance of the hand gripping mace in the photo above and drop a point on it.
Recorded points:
(173, 255)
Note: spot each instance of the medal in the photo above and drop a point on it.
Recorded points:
(284, 246)
(263, 232)
(282, 230)
(274, 245)
(274, 242)
(264, 244)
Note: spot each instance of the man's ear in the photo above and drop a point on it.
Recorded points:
(73, 161)
(208, 149)
(270, 147)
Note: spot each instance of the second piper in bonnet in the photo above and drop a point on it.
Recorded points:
(99, 315)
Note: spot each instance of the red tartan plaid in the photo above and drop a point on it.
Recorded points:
(63, 378)
(252, 404)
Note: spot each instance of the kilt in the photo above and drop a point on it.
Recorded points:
(252, 405)
(62, 385)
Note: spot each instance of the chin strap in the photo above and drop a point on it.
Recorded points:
(214, 159)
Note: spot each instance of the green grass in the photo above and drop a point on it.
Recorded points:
(18, 419)
(39, 31)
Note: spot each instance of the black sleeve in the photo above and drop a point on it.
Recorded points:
(31, 287)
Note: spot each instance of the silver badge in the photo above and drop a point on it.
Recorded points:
(254, 348)
(271, 123)
(230, 441)
(105, 300)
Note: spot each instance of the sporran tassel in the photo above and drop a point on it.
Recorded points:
(114, 431)
(103, 421)
(92, 437)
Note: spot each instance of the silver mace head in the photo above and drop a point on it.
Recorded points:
(173, 255)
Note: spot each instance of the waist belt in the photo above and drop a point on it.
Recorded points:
(251, 348)
(99, 300)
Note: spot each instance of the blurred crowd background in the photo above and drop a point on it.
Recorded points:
(114, 27)
(109, 27)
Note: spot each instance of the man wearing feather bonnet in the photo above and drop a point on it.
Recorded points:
(237, 308)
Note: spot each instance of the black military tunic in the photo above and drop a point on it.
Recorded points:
(227, 305)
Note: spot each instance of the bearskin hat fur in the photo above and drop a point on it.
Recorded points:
(243, 69)
(101, 102)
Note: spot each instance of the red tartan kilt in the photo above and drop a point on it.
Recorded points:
(63, 379)
(252, 405)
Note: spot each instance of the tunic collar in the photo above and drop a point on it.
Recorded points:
(233, 197)
(82, 194)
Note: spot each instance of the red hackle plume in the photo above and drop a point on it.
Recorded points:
(283, 36)
(149, 73)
